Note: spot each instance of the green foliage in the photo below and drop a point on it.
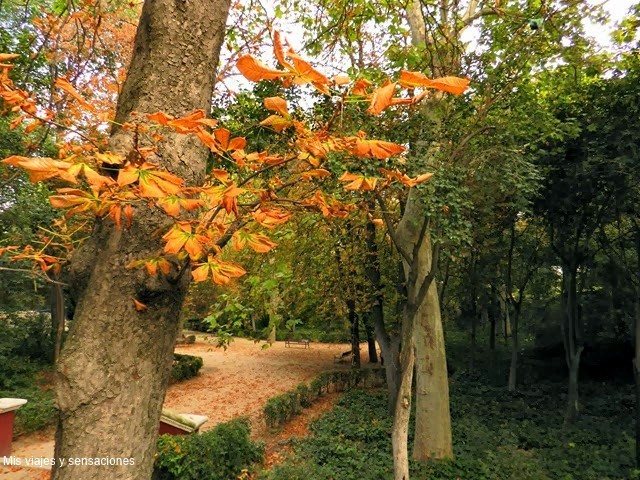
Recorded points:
(185, 367)
(497, 436)
(40, 410)
(218, 454)
(25, 346)
(280, 409)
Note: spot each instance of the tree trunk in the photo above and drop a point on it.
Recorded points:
(515, 348)
(402, 413)
(573, 407)
(636, 367)
(504, 309)
(371, 342)
(114, 368)
(572, 339)
(492, 332)
(57, 317)
(636, 360)
(389, 345)
(355, 333)
(474, 328)
(433, 419)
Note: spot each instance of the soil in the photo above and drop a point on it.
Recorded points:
(232, 382)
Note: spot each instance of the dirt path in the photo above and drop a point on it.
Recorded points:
(232, 383)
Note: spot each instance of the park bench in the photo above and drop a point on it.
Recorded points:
(304, 343)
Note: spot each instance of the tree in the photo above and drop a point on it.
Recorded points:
(114, 369)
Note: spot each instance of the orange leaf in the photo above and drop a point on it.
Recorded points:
(375, 148)
(270, 218)
(278, 105)
(358, 182)
(201, 273)
(258, 242)
(221, 272)
(279, 51)
(453, 85)
(306, 73)
(381, 98)
(7, 57)
(128, 213)
(276, 122)
(40, 168)
(320, 172)
(15, 122)
(255, 71)
(139, 305)
(360, 87)
(341, 80)
(64, 84)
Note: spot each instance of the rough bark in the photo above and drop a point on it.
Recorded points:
(114, 368)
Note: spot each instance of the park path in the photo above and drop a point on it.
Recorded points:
(232, 382)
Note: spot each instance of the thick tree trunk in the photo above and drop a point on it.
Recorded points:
(114, 368)
(433, 419)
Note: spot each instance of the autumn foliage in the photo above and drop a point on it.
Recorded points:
(233, 204)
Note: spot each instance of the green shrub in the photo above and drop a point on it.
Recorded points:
(282, 408)
(219, 454)
(25, 347)
(40, 410)
(185, 367)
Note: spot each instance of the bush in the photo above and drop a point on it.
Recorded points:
(280, 409)
(219, 454)
(25, 347)
(185, 367)
(38, 413)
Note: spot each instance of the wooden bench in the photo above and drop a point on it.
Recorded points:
(304, 342)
